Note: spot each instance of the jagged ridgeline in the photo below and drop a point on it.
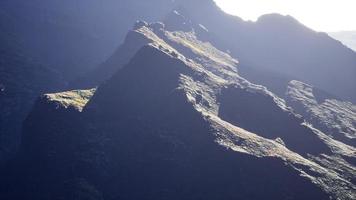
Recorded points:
(176, 122)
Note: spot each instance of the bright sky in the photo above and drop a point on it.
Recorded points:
(320, 15)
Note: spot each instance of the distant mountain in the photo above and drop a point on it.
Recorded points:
(176, 122)
(348, 38)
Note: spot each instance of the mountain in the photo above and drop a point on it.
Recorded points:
(201, 105)
(261, 48)
(335, 122)
(348, 38)
(176, 122)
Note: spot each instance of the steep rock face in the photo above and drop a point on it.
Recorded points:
(312, 57)
(157, 129)
(334, 117)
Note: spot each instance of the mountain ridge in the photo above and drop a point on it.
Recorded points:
(122, 126)
(307, 50)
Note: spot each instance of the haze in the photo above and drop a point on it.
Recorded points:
(320, 15)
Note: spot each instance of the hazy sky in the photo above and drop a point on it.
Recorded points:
(320, 15)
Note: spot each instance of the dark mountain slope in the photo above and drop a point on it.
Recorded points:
(280, 44)
(21, 81)
(153, 131)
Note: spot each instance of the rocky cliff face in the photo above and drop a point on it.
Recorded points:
(177, 122)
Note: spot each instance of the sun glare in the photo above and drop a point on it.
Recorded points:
(320, 15)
